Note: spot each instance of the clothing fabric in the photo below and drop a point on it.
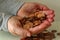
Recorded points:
(8, 8)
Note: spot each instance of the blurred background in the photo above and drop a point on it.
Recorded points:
(52, 4)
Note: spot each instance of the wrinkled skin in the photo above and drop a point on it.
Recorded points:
(14, 25)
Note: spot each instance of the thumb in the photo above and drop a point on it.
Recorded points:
(28, 33)
(22, 32)
(25, 33)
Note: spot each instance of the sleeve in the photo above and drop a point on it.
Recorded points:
(10, 8)
(3, 21)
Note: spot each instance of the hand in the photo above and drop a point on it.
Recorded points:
(15, 27)
(29, 8)
(45, 24)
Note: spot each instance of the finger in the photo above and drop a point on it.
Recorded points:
(51, 20)
(26, 34)
(51, 16)
(43, 7)
(49, 12)
(41, 27)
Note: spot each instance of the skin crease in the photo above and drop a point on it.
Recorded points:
(14, 25)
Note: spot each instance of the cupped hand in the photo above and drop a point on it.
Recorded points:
(29, 8)
(15, 27)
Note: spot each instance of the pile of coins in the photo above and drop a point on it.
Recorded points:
(45, 35)
(33, 20)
